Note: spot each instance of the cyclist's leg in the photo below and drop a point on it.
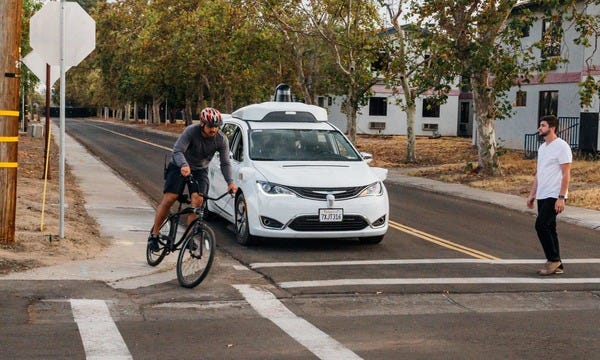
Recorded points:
(197, 189)
(174, 184)
(162, 211)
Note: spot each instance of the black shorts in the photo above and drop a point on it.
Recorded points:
(175, 182)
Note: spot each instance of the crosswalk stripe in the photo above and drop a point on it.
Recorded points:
(315, 340)
(99, 333)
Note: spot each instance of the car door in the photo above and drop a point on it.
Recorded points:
(236, 157)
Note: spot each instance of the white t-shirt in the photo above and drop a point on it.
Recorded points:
(549, 174)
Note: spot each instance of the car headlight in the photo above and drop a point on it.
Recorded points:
(274, 189)
(374, 189)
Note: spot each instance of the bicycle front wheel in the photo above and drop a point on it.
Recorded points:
(196, 256)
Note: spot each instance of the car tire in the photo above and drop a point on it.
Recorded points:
(242, 228)
(371, 240)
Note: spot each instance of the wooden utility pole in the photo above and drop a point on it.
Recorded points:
(10, 39)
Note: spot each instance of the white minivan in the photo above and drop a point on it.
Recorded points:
(298, 177)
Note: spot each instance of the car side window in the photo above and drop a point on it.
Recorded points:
(237, 145)
(229, 131)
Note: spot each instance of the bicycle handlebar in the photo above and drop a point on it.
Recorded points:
(190, 179)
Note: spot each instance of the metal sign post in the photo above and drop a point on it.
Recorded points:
(74, 34)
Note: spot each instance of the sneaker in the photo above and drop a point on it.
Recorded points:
(560, 269)
(153, 243)
(551, 267)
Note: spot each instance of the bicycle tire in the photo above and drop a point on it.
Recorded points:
(155, 257)
(196, 256)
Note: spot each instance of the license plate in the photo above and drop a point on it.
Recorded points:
(331, 215)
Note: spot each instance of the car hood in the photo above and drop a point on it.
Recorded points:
(321, 174)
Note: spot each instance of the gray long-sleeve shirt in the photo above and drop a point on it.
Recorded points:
(193, 149)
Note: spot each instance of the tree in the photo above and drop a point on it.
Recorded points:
(406, 64)
(351, 32)
(302, 54)
(480, 41)
(467, 34)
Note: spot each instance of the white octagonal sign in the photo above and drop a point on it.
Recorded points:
(80, 33)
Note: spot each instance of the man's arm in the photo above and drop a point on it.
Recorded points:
(559, 206)
(181, 145)
(531, 197)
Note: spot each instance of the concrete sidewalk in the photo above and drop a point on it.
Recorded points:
(126, 217)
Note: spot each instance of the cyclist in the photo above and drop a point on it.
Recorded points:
(192, 153)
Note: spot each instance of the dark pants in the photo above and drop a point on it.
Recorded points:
(545, 225)
(175, 182)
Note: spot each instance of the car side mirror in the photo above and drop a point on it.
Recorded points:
(367, 157)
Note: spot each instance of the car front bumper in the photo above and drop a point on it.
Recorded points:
(287, 216)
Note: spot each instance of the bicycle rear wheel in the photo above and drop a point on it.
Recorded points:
(196, 256)
(155, 257)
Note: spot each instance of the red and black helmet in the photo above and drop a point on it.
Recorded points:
(211, 117)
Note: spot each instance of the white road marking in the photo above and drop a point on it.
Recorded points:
(99, 334)
(315, 340)
(240, 268)
(438, 281)
(416, 262)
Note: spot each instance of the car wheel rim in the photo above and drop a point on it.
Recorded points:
(242, 221)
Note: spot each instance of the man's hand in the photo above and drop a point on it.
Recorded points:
(530, 201)
(232, 188)
(559, 205)
(186, 171)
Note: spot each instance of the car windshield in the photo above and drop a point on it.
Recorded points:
(300, 145)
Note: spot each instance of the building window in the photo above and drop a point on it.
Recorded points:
(324, 101)
(378, 106)
(548, 103)
(430, 108)
(321, 101)
(551, 37)
(521, 98)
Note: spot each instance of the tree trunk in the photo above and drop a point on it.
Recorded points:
(127, 114)
(411, 153)
(156, 102)
(135, 112)
(188, 111)
(484, 99)
(349, 109)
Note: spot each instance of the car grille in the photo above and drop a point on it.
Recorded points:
(311, 223)
(321, 193)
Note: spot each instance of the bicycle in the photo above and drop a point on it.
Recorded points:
(196, 245)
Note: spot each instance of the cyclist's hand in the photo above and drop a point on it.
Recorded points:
(232, 188)
(186, 171)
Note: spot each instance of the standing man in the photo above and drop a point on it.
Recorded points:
(550, 188)
(192, 153)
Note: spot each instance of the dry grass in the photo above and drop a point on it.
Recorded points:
(34, 247)
(454, 159)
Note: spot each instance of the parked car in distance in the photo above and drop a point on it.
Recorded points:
(298, 177)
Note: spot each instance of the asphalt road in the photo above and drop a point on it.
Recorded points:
(452, 279)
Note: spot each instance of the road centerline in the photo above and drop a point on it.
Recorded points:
(132, 138)
(441, 242)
